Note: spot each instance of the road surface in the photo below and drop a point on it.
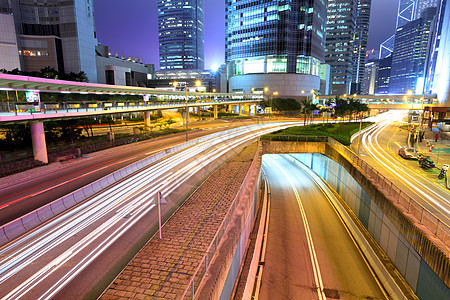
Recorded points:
(379, 147)
(84, 243)
(309, 253)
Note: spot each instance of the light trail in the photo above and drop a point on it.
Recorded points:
(372, 145)
(311, 249)
(99, 222)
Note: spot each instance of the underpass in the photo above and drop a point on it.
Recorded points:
(310, 253)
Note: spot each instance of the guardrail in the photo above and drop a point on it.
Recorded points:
(200, 272)
(435, 226)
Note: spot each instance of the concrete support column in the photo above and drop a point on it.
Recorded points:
(38, 140)
(216, 113)
(147, 120)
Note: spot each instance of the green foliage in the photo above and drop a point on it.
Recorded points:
(341, 132)
(281, 104)
(50, 73)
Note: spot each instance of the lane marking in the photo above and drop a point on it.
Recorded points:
(62, 183)
(312, 252)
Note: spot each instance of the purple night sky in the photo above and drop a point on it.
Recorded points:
(133, 29)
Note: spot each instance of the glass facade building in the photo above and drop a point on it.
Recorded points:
(275, 36)
(410, 53)
(362, 31)
(55, 33)
(340, 43)
(181, 34)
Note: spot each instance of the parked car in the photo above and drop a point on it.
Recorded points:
(408, 153)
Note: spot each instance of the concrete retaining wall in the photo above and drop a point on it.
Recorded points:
(405, 245)
(225, 266)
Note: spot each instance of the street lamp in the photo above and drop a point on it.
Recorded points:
(271, 101)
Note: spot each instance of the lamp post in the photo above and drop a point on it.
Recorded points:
(266, 89)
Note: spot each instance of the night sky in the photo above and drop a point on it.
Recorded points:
(132, 28)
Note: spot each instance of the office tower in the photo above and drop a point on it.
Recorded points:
(57, 34)
(9, 58)
(275, 44)
(409, 55)
(406, 13)
(370, 77)
(384, 75)
(181, 36)
(421, 5)
(362, 30)
(440, 74)
(340, 43)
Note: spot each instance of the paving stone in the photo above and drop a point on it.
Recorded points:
(163, 268)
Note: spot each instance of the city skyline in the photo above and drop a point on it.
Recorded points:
(135, 33)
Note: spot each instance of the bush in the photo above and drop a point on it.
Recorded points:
(341, 132)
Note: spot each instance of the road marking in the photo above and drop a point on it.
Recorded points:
(312, 252)
(62, 183)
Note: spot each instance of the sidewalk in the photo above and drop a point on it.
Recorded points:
(163, 268)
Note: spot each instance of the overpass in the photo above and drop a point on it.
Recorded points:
(400, 101)
(147, 100)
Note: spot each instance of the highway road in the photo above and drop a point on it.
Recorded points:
(379, 147)
(309, 253)
(25, 192)
(69, 256)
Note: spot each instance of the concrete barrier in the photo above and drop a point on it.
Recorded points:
(3, 238)
(68, 201)
(45, 213)
(30, 220)
(79, 195)
(14, 229)
(88, 191)
(57, 206)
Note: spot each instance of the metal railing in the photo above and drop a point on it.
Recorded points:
(15, 108)
(201, 270)
(294, 138)
(434, 225)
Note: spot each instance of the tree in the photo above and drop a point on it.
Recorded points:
(329, 106)
(306, 108)
(169, 122)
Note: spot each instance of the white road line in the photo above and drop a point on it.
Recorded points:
(311, 249)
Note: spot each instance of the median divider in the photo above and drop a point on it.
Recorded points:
(30, 221)
(44, 213)
(57, 206)
(15, 228)
(69, 200)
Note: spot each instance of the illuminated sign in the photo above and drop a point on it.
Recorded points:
(34, 98)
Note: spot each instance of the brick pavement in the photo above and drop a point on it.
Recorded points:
(163, 268)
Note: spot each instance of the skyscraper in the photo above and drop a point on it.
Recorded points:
(340, 43)
(362, 31)
(181, 36)
(410, 52)
(421, 5)
(59, 34)
(275, 44)
(406, 13)
(440, 73)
